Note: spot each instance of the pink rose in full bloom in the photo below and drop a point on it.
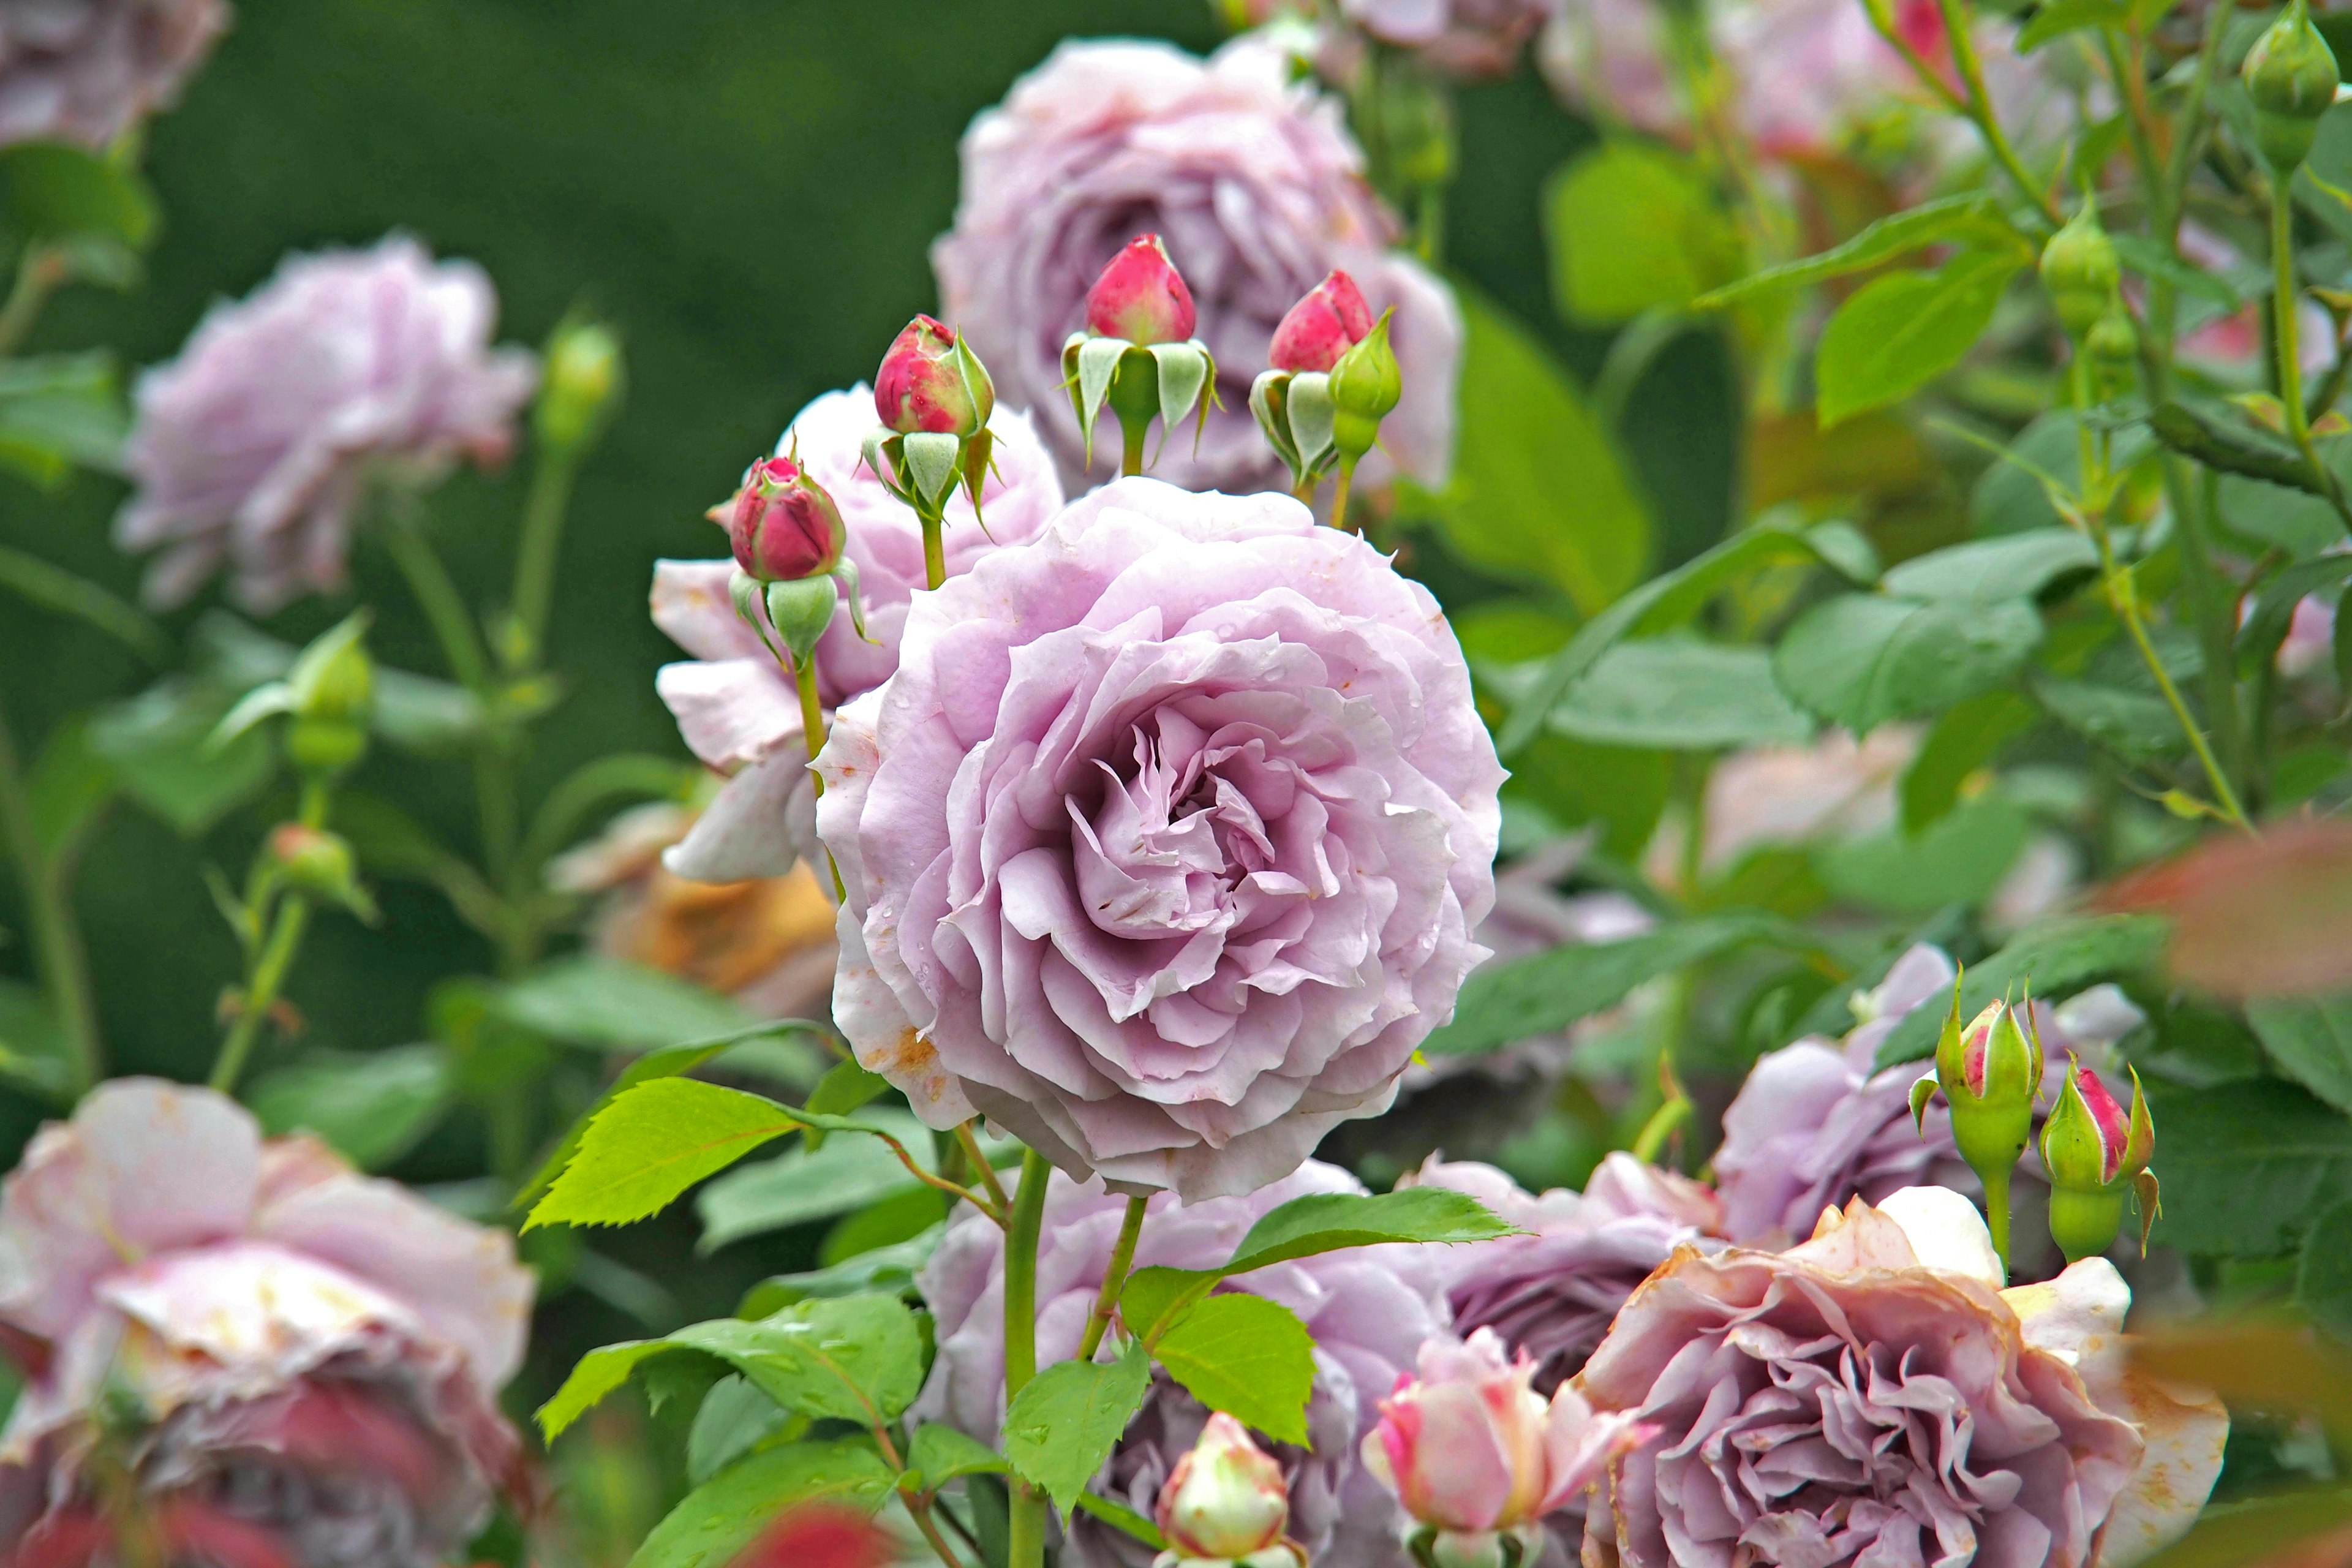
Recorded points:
(1164, 844)
(1254, 185)
(87, 70)
(256, 447)
(1874, 1396)
(737, 708)
(277, 1352)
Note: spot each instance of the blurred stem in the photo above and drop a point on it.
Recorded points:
(1122, 1259)
(1132, 433)
(39, 275)
(1347, 476)
(1429, 222)
(1661, 1126)
(543, 535)
(1026, 1535)
(2286, 331)
(56, 941)
(261, 990)
(2186, 144)
(437, 595)
(2213, 605)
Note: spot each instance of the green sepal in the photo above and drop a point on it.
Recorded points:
(1270, 404)
(2146, 1194)
(1921, 1093)
(881, 454)
(979, 456)
(2141, 1143)
(1366, 385)
(744, 589)
(977, 383)
(932, 467)
(844, 571)
(1186, 370)
(2072, 1151)
(800, 611)
(1312, 417)
(1088, 362)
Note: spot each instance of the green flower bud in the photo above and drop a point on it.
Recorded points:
(584, 384)
(333, 678)
(2079, 271)
(2095, 1154)
(1990, 1072)
(2290, 73)
(1365, 386)
(319, 864)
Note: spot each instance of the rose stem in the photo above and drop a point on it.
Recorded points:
(1130, 435)
(1339, 494)
(935, 551)
(1122, 1256)
(57, 942)
(1027, 1534)
(1996, 1184)
(982, 1169)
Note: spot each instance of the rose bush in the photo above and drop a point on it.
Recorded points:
(1164, 844)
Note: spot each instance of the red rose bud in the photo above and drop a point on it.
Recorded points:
(1140, 297)
(1327, 323)
(930, 382)
(2093, 1152)
(782, 524)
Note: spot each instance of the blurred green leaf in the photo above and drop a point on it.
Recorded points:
(2053, 960)
(158, 745)
(56, 589)
(2261, 1530)
(34, 1051)
(735, 1417)
(372, 1107)
(1244, 1355)
(1987, 571)
(719, 1518)
(2246, 1165)
(1975, 216)
(2298, 522)
(1958, 859)
(1631, 226)
(802, 1184)
(1861, 660)
(2268, 621)
(2155, 262)
(2062, 16)
(2310, 1041)
(846, 1087)
(1963, 739)
(1679, 694)
(2323, 1277)
(69, 787)
(2138, 726)
(1622, 789)
(50, 190)
(59, 412)
(1896, 333)
(890, 1269)
(1537, 490)
(591, 1000)
(1064, 1424)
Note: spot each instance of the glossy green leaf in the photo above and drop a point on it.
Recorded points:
(888, 1268)
(1063, 1426)
(941, 1454)
(1972, 217)
(1861, 660)
(1244, 1355)
(844, 1086)
(1898, 333)
(2052, 961)
(650, 1143)
(804, 1184)
(735, 1417)
(373, 1107)
(717, 1520)
(2246, 1165)
(1633, 227)
(1680, 694)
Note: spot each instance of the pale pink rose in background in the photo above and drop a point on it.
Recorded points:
(87, 70)
(1607, 59)
(2237, 341)
(1369, 1308)
(1464, 38)
(313, 1355)
(739, 711)
(2310, 642)
(256, 448)
(1835, 788)
(1164, 844)
(1256, 189)
(1874, 1396)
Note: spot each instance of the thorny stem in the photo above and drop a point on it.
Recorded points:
(56, 941)
(1122, 1259)
(1026, 1532)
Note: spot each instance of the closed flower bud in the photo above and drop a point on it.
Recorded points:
(333, 678)
(1990, 1075)
(1140, 297)
(2093, 1154)
(318, 864)
(1226, 1502)
(1365, 386)
(2079, 271)
(2290, 73)
(583, 383)
(929, 381)
(1331, 319)
(782, 524)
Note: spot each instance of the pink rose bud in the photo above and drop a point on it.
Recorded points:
(1331, 319)
(1225, 1501)
(1141, 297)
(929, 382)
(782, 524)
(1478, 1457)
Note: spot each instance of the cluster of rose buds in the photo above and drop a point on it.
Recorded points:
(1990, 1075)
(2095, 1154)
(1478, 1457)
(1138, 353)
(1332, 379)
(1225, 1504)
(934, 397)
(2082, 278)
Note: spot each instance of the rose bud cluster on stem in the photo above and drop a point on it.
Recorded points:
(2290, 75)
(2083, 276)
(1225, 1504)
(934, 397)
(2095, 1154)
(1990, 1075)
(1478, 1457)
(1333, 378)
(1138, 353)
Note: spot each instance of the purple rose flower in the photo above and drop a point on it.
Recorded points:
(1553, 1293)
(1369, 1308)
(1873, 1398)
(1816, 1125)
(256, 446)
(1466, 37)
(1164, 844)
(737, 708)
(87, 70)
(1253, 184)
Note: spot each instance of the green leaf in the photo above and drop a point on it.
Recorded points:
(1898, 333)
(604, 1002)
(2055, 960)
(58, 412)
(56, 589)
(2311, 1041)
(2323, 1277)
(1679, 694)
(71, 786)
(1062, 1424)
(49, 190)
(844, 1086)
(1960, 859)
(1668, 600)
(34, 1051)
(1861, 660)
(652, 1143)
(2246, 1165)
(1632, 226)
(2273, 614)
(1247, 1356)
(1965, 739)
(1929, 223)
(1124, 1520)
(1538, 491)
(2298, 521)
(941, 1454)
(802, 1184)
(735, 1417)
(2062, 16)
(890, 1269)
(2138, 726)
(2154, 262)
(1986, 571)
(719, 1518)
(157, 744)
(1545, 992)
(371, 1106)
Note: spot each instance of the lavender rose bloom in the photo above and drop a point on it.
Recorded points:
(87, 70)
(1467, 37)
(737, 708)
(1369, 1308)
(256, 446)
(309, 1357)
(1874, 1397)
(1164, 844)
(1256, 187)
(1817, 1123)
(1553, 1293)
